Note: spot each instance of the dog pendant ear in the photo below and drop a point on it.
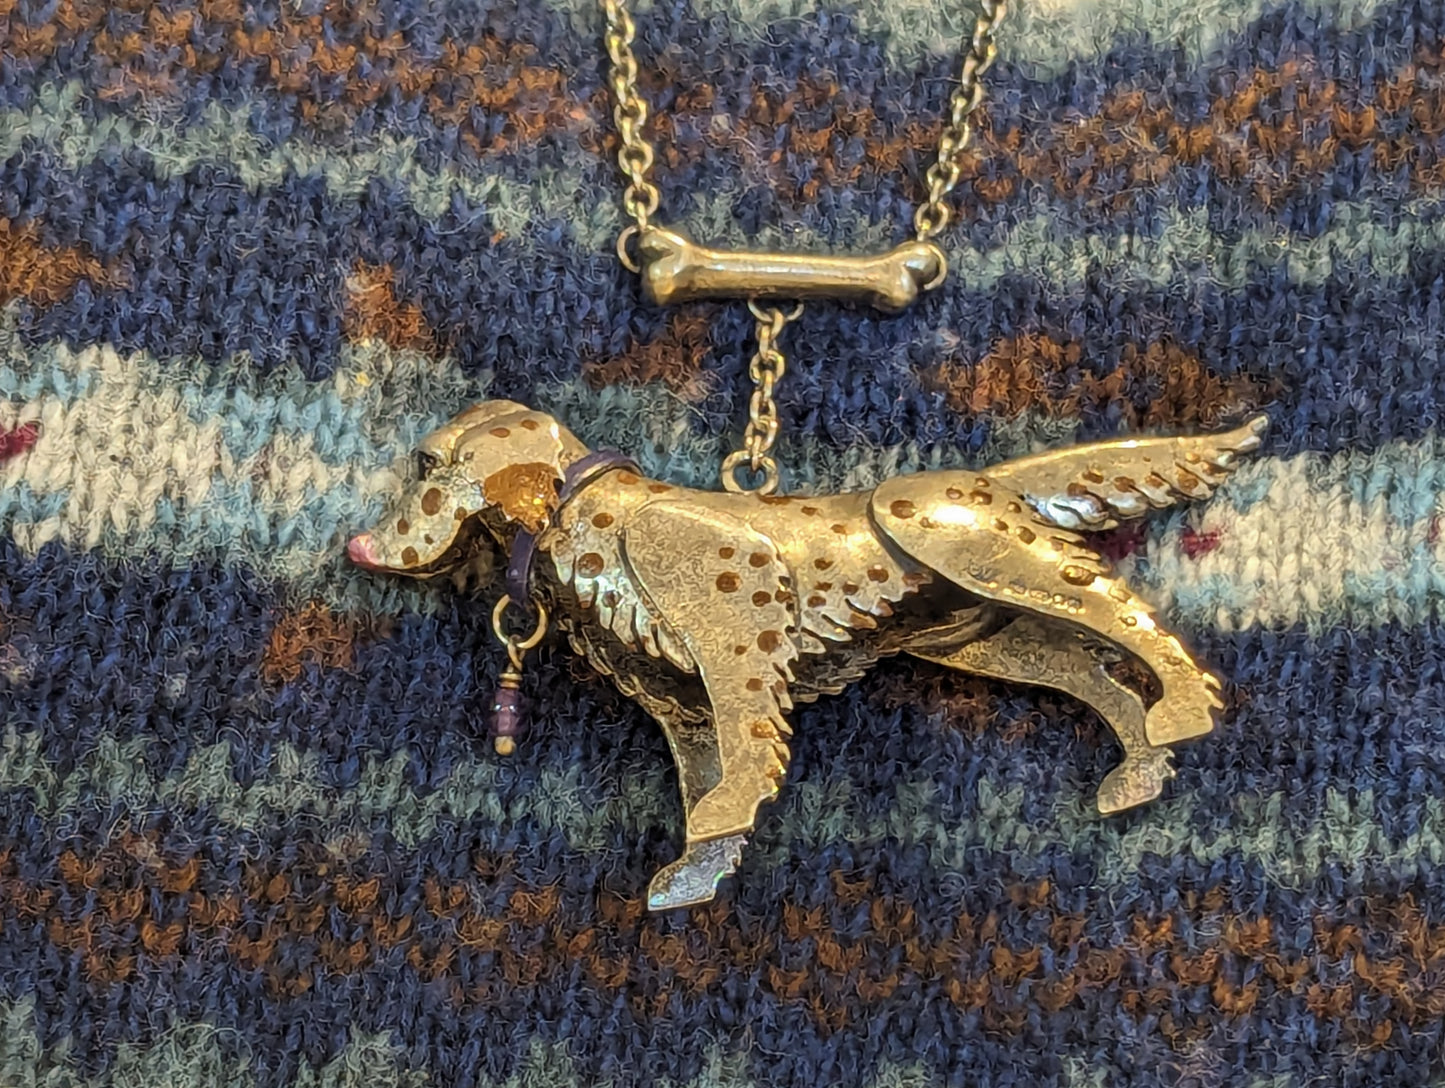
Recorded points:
(519, 458)
(527, 494)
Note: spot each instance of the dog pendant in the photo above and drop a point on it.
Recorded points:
(717, 612)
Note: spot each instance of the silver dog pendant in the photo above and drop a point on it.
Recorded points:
(717, 612)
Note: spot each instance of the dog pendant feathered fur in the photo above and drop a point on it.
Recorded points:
(717, 612)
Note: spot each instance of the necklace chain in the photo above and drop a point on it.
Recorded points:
(766, 369)
(640, 199)
(932, 216)
(635, 154)
(629, 112)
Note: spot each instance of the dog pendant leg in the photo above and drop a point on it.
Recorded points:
(1009, 557)
(1032, 651)
(694, 877)
(722, 588)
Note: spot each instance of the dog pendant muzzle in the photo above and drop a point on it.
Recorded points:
(718, 611)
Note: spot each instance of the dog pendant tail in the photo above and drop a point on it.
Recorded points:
(716, 611)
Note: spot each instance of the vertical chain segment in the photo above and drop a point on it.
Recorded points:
(932, 216)
(629, 112)
(766, 369)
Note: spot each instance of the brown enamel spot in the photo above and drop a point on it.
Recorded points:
(901, 508)
(431, 502)
(980, 498)
(841, 530)
(1026, 534)
(590, 565)
(1094, 476)
(403, 526)
(658, 489)
(755, 684)
(776, 500)
(500, 432)
(954, 493)
(409, 557)
(1077, 576)
(761, 598)
(726, 553)
(1000, 525)
(782, 596)
(758, 559)
(529, 424)
(982, 481)
(728, 582)
(602, 520)
(1014, 508)
(913, 579)
(822, 563)
(740, 650)
(460, 513)
(823, 587)
(850, 588)
(627, 477)
(877, 574)
(610, 598)
(768, 641)
(426, 538)
(1124, 483)
(810, 511)
(817, 600)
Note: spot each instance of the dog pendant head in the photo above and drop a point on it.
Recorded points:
(496, 467)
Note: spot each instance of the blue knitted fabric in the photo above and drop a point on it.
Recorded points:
(251, 831)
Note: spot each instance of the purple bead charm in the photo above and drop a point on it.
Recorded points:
(509, 714)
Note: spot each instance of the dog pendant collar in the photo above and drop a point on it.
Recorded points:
(508, 722)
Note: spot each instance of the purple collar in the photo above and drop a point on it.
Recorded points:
(579, 474)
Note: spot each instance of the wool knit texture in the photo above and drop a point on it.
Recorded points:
(251, 830)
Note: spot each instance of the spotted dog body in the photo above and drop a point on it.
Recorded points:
(717, 612)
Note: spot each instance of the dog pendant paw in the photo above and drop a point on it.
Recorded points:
(694, 877)
(1139, 779)
(1182, 717)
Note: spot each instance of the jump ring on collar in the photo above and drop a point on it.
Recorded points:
(511, 641)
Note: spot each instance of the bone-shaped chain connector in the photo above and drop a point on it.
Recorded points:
(677, 269)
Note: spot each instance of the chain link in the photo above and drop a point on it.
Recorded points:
(932, 216)
(766, 370)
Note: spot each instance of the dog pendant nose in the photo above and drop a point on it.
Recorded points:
(359, 551)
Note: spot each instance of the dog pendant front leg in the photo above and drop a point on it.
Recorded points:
(693, 877)
(722, 588)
